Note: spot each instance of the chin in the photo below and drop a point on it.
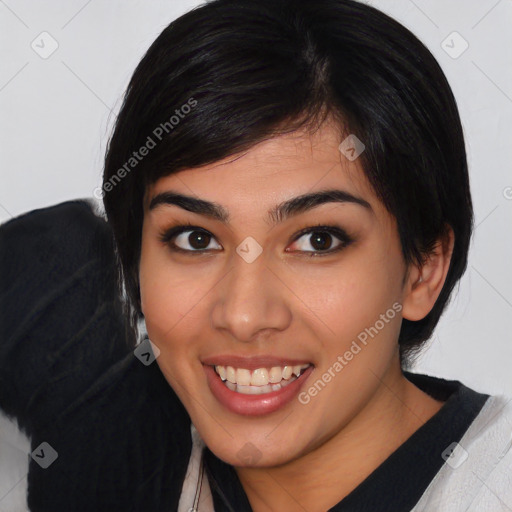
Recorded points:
(244, 453)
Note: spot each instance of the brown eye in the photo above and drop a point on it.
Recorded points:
(196, 240)
(322, 239)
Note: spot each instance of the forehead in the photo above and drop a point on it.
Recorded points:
(273, 171)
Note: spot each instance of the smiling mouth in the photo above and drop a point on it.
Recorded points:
(260, 380)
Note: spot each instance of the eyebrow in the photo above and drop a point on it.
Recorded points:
(278, 213)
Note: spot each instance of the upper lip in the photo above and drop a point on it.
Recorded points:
(252, 363)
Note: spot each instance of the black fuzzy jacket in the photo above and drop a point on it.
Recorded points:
(69, 376)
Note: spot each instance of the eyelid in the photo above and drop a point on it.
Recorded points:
(330, 228)
(333, 230)
(167, 235)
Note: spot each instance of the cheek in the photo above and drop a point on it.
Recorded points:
(346, 298)
(359, 310)
(171, 296)
(171, 303)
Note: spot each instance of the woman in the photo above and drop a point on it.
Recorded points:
(288, 193)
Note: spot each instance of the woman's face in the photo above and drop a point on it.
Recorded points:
(261, 295)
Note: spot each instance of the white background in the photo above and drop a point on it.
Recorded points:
(56, 114)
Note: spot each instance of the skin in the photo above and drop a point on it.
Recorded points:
(289, 304)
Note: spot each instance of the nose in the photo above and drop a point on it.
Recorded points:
(251, 302)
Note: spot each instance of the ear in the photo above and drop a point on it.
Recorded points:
(425, 280)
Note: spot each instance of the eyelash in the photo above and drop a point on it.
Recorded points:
(167, 237)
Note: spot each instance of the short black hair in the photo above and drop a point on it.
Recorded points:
(232, 73)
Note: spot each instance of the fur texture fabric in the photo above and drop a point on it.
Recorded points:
(69, 377)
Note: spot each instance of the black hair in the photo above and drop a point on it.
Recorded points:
(231, 73)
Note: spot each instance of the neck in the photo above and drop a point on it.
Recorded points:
(319, 479)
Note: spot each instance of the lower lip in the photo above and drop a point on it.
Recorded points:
(253, 405)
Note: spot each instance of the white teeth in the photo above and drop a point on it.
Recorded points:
(231, 374)
(253, 390)
(258, 390)
(221, 370)
(275, 375)
(243, 377)
(261, 380)
(230, 385)
(287, 372)
(259, 377)
(288, 382)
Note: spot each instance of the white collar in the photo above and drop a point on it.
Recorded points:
(196, 495)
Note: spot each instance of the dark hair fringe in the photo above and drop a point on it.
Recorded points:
(260, 69)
